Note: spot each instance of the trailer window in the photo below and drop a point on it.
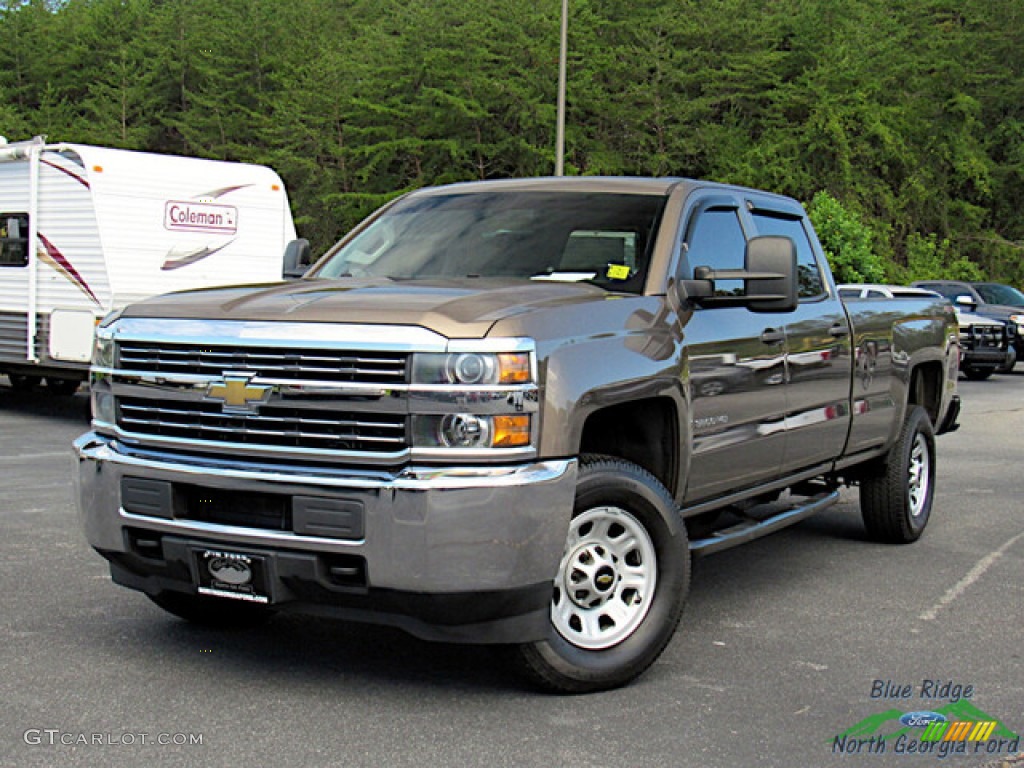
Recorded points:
(13, 239)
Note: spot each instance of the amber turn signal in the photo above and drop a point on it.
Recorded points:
(511, 431)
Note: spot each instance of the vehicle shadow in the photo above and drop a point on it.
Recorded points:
(40, 403)
(297, 649)
(294, 650)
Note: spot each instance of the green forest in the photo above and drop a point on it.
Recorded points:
(900, 125)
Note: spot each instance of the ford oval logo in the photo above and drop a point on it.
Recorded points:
(230, 571)
(922, 719)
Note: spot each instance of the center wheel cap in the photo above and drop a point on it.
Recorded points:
(591, 576)
(606, 579)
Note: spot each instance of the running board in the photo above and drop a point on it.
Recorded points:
(743, 532)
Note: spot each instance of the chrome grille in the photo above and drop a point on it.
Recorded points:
(986, 336)
(278, 426)
(268, 362)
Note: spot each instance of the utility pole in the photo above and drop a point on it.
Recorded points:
(560, 129)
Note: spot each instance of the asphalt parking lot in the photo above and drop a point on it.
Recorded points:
(786, 644)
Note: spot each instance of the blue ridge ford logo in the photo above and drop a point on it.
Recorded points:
(922, 719)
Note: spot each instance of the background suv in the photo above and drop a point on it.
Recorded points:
(995, 300)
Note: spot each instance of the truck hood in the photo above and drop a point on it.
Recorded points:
(969, 318)
(465, 308)
(999, 311)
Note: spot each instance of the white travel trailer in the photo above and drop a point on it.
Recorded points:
(84, 230)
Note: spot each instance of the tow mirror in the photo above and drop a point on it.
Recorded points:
(775, 258)
(296, 259)
(769, 277)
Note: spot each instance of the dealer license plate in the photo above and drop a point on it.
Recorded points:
(233, 575)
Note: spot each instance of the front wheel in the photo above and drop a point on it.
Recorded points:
(621, 584)
(1009, 363)
(896, 494)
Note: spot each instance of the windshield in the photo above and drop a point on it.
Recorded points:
(603, 238)
(993, 293)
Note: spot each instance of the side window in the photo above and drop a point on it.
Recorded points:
(13, 239)
(715, 239)
(808, 273)
(949, 291)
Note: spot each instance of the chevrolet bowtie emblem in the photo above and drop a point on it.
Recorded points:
(237, 394)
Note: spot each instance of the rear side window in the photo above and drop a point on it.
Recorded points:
(808, 272)
(13, 239)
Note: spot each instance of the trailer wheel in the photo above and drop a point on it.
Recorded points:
(620, 587)
(214, 612)
(896, 494)
(21, 382)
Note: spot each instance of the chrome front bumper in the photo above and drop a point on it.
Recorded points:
(425, 534)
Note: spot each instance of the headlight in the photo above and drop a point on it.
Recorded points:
(1018, 320)
(473, 399)
(472, 368)
(102, 406)
(467, 430)
(103, 353)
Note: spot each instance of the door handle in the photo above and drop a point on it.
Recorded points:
(838, 330)
(773, 336)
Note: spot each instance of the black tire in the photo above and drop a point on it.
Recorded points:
(62, 386)
(21, 382)
(215, 612)
(625, 528)
(976, 374)
(1011, 361)
(896, 494)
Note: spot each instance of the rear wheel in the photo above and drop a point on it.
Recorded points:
(216, 612)
(620, 587)
(896, 495)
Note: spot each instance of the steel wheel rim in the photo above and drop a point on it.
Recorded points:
(606, 580)
(919, 480)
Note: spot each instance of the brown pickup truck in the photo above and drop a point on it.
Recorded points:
(510, 412)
